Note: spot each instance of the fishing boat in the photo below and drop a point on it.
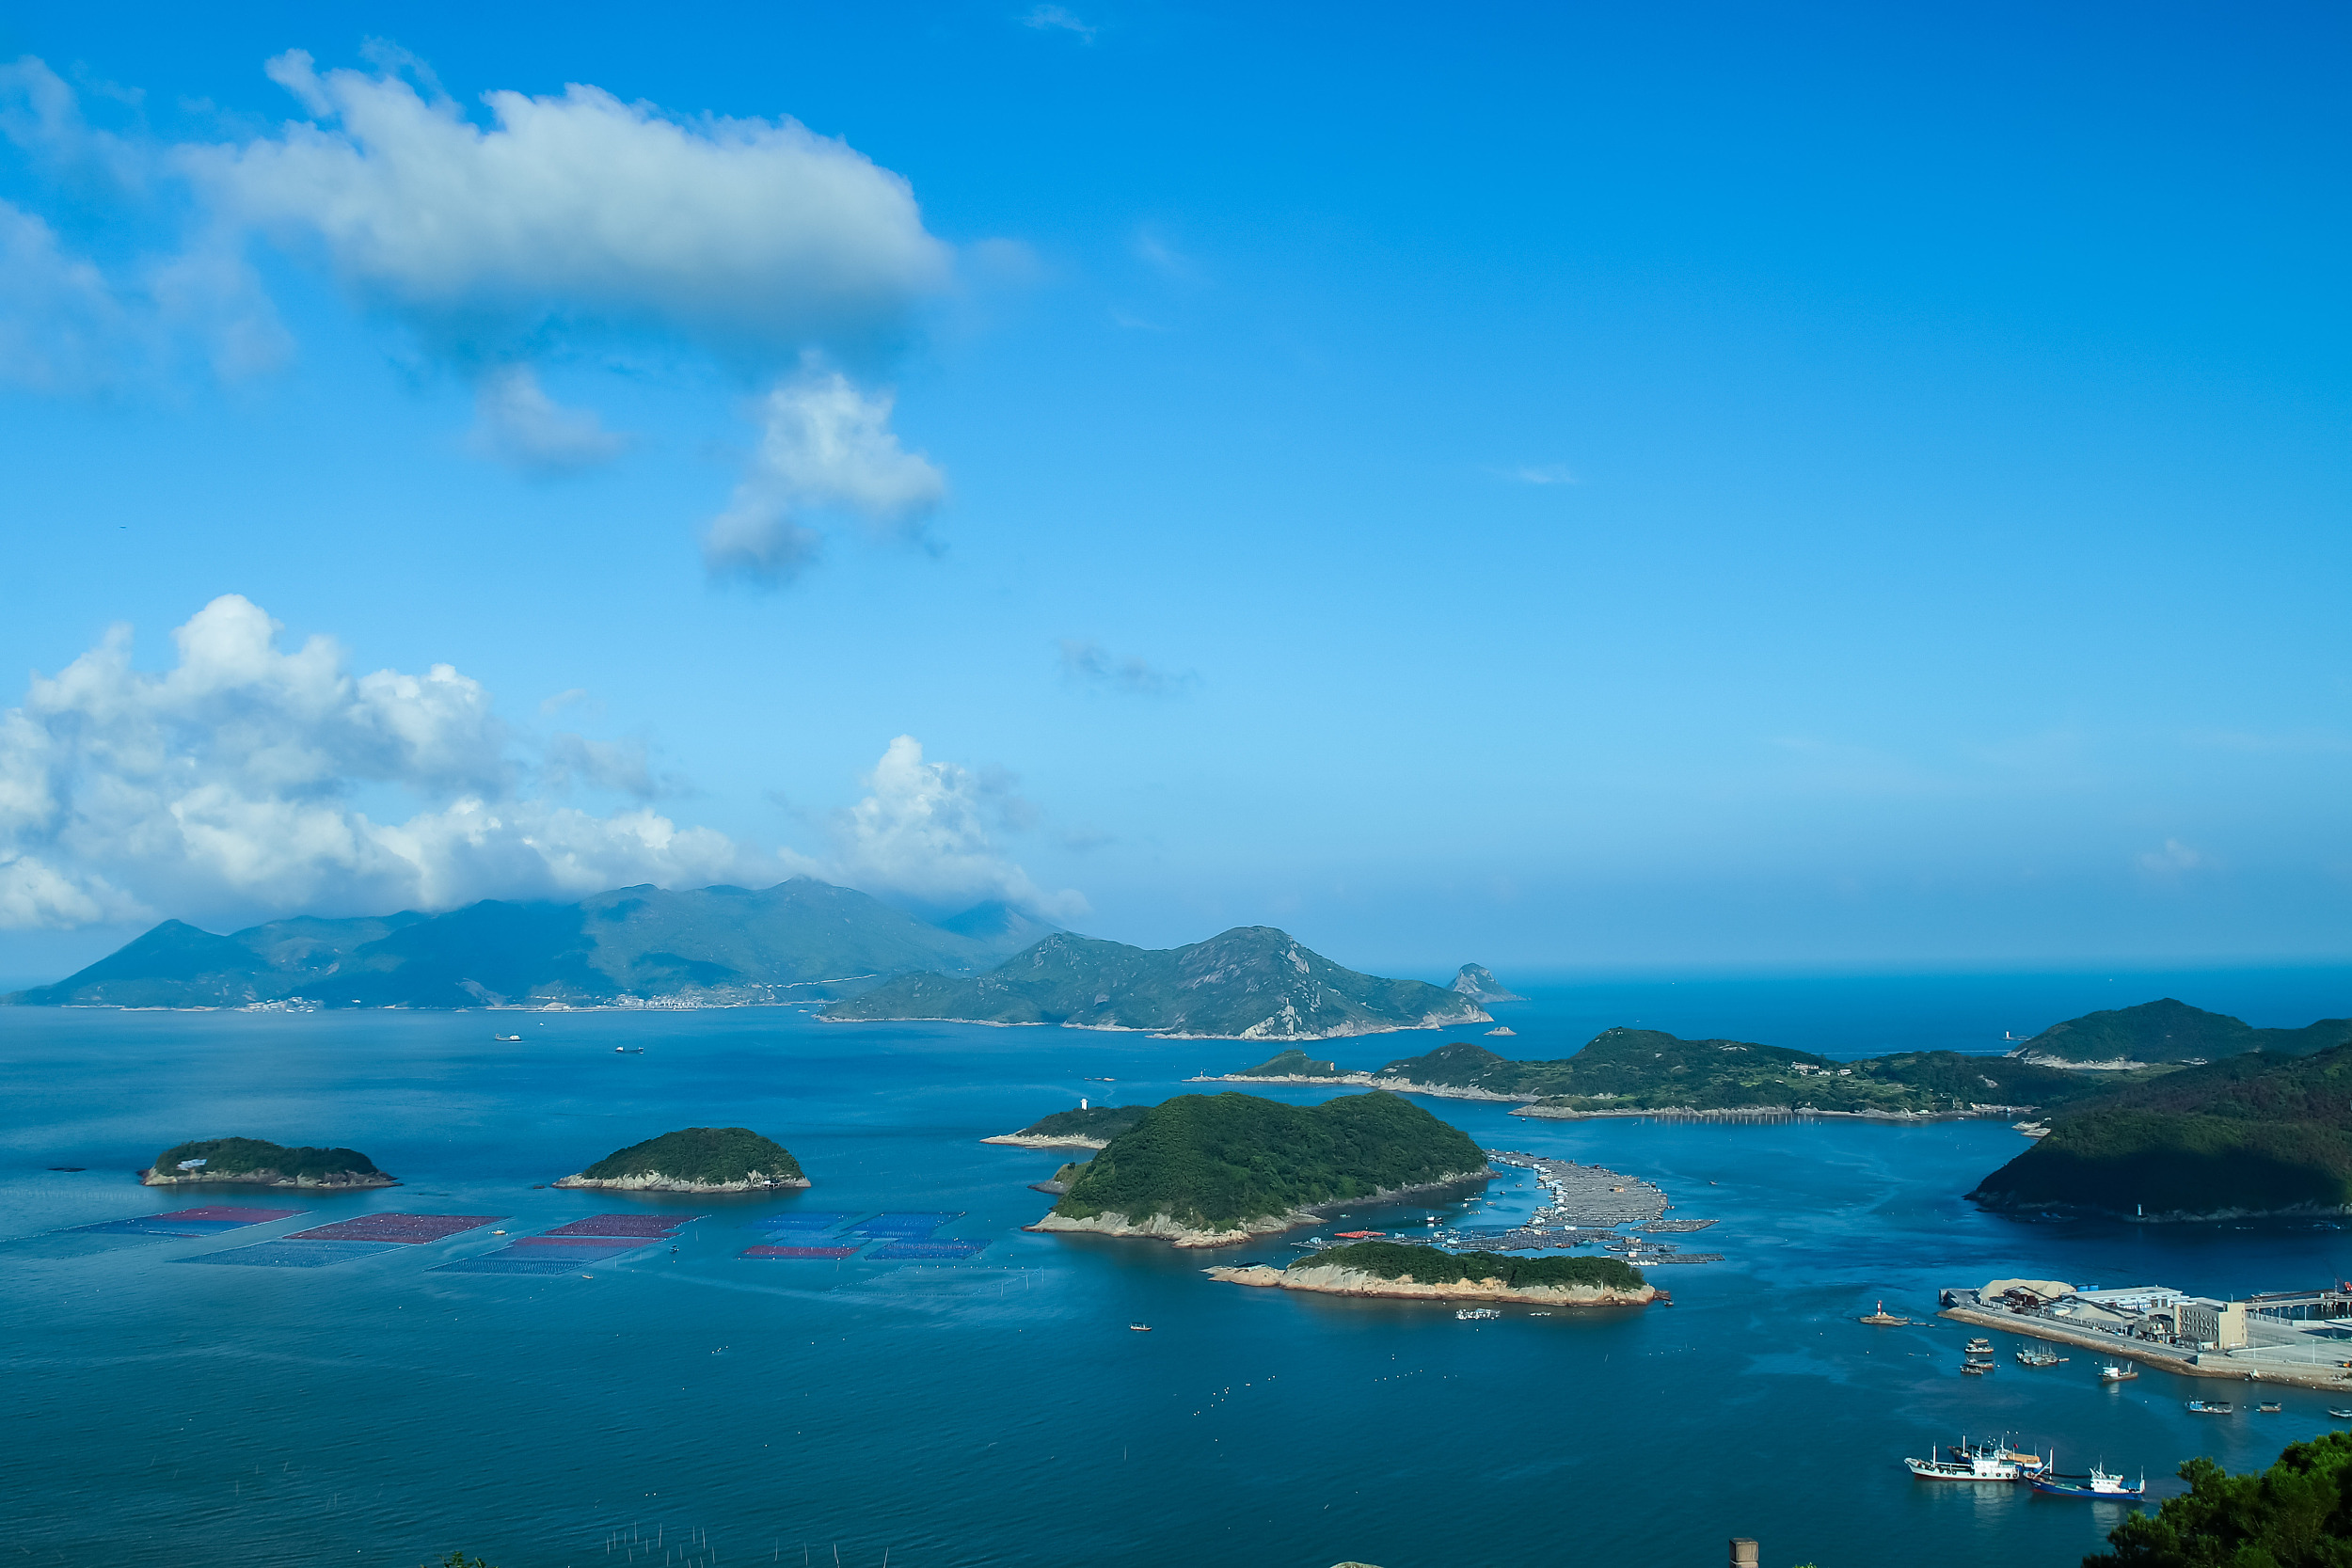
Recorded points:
(2115, 1371)
(2211, 1407)
(2024, 1459)
(2037, 1357)
(2268, 1407)
(2098, 1486)
(1979, 1346)
(1975, 1369)
(1475, 1314)
(1977, 1466)
(1140, 1328)
(504, 1038)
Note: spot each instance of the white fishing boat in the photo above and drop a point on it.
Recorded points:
(2211, 1407)
(2024, 1459)
(1977, 1466)
(1474, 1314)
(2115, 1371)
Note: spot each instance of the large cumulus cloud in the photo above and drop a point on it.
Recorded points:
(249, 780)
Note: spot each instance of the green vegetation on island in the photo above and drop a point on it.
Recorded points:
(696, 1159)
(2248, 1134)
(1252, 982)
(2171, 1031)
(1647, 1070)
(1429, 1266)
(1222, 1162)
(262, 1163)
(2296, 1514)
(716, 942)
(1100, 1123)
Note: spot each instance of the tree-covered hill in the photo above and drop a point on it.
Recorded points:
(2171, 1031)
(251, 1159)
(1218, 1162)
(698, 1156)
(2246, 1133)
(1252, 982)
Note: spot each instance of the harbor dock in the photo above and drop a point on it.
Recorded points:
(2298, 1338)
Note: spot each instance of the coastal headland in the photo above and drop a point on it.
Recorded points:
(1162, 1227)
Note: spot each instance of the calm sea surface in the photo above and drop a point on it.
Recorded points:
(700, 1407)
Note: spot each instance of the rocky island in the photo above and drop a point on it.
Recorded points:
(254, 1162)
(1092, 1126)
(2249, 1135)
(1421, 1273)
(1251, 983)
(695, 1160)
(1478, 983)
(1212, 1170)
(2167, 1031)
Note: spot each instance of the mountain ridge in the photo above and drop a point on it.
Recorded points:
(712, 945)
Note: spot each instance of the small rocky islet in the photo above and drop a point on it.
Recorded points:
(695, 1160)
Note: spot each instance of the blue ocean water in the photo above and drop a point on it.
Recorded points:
(698, 1407)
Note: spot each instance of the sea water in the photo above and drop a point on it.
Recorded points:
(697, 1406)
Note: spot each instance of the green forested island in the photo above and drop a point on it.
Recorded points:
(1252, 982)
(696, 1160)
(2248, 1134)
(2171, 1031)
(1208, 1170)
(258, 1162)
(1626, 1072)
(1090, 1127)
(1430, 1266)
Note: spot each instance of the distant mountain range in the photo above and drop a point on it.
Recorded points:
(1252, 982)
(714, 945)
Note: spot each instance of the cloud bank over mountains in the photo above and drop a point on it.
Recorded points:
(247, 781)
(564, 224)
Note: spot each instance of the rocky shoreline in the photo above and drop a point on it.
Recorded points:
(653, 1182)
(1356, 1282)
(335, 1179)
(1023, 1140)
(1165, 1228)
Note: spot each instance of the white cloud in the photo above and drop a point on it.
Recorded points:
(234, 787)
(2171, 861)
(225, 787)
(1053, 19)
(823, 444)
(61, 327)
(744, 235)
(518, 423)
(922, 833)
(1085, 661)
(1543, 473)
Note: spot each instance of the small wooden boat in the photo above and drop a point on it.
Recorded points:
(2211, 1407)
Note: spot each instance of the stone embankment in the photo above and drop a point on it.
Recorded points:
(2161, 1356)
(1325, 1280)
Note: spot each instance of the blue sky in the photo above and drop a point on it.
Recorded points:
(1548, 485)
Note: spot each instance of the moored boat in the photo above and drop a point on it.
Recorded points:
(2115, 1371)
(2098, 1486)
(2024, 1459)
(1473, 1314)
(1977, 1466)
(1975, 1369)
(2037, 1357)
(2268, 1407)
(2211, 1407)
